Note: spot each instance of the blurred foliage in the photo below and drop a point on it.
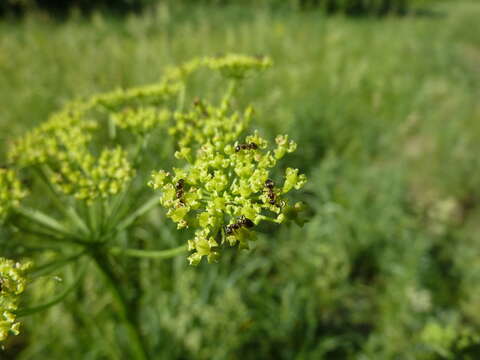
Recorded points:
(386, 115)
(350, 7)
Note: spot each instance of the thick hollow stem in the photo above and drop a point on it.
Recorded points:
(133, 330)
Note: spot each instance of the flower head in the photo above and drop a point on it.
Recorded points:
(226, 187)
(88, 178)
(238, 66)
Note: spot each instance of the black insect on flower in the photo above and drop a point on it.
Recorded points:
(249, 146)
(179, 186)
(241, 222)
(272, 197)
(269, 184)
(246, 222)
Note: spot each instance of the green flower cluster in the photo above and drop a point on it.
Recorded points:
(12, 285)
(138, 96)
(141, 120)
(225, 189)
(237, 66)
(230, 65)
(65, 134)
(208, 123)
(62, 144)
(11, 191)
(88, 178)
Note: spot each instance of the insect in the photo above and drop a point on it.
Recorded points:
(242, 222)
(272, 197)
(250, 146)
(179, 186)
(246, 222)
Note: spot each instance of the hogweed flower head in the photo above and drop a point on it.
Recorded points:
(63, 144)
(226, 188)
(88, 178)
(12, 285)
(219, 125)
(65, 133)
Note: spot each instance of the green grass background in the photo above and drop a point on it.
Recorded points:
(387, 116)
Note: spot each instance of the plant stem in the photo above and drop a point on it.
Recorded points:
(146, 207)
(149, 254)
(56, 198)
(132, 326)
(47, 222)
(54, 265)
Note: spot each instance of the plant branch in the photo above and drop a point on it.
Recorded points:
(54, 265)
(132, 327)
(149, 254)
(45, 221)
(150, 204)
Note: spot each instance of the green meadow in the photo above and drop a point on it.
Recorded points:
(386, 114)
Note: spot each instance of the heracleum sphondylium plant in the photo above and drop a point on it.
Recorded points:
(88, 159)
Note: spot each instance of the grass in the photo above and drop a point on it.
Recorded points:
(386, 115)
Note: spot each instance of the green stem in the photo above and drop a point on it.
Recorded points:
(46, 221)
(232, 88)
(94, 218)
(49, 237)
(181, 98)
(132, 327)
(149, 254)
(150, 204)
(54, 265)
(69, 211)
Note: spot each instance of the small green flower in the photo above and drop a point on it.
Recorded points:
(12, 285)
(11, 191)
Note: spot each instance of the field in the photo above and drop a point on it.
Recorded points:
(386, 114)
